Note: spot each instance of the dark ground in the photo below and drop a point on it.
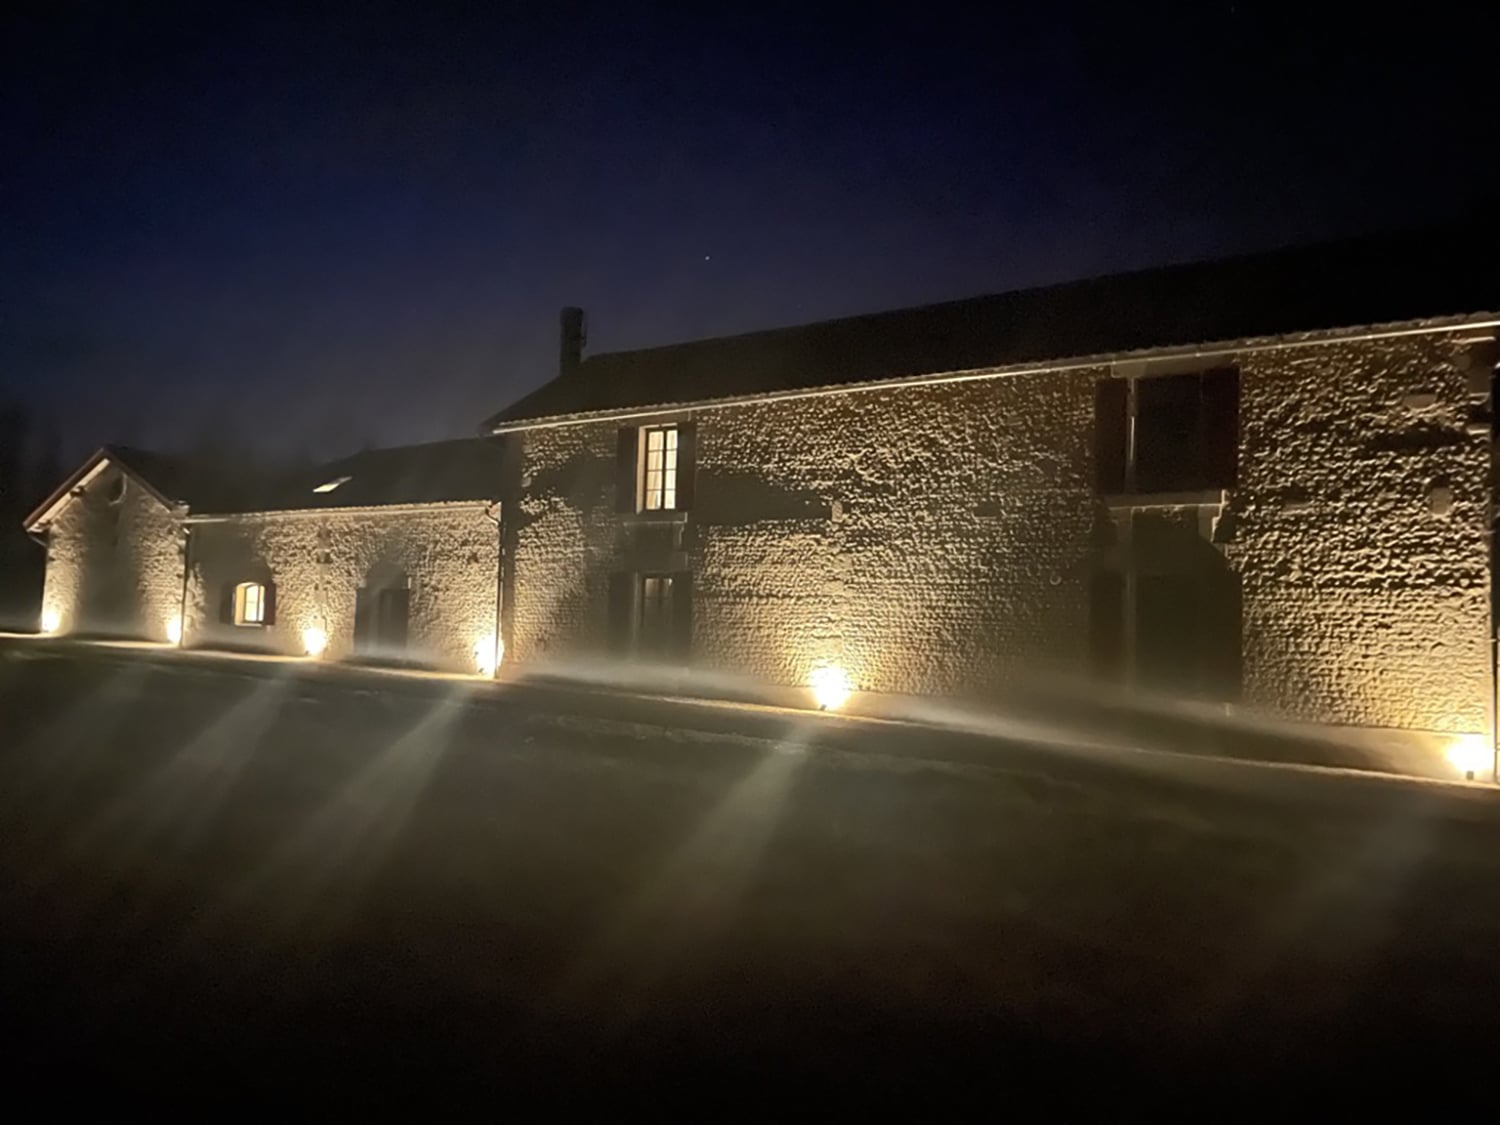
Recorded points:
(229, 879)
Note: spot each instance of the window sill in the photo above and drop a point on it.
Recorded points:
(659, 515)
(249, 624)
(1199, 498)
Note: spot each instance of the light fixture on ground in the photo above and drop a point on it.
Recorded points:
(1471, 756)
(488, 652)
(174, 631)
(51, 620)
(314, 640)
(830, 687)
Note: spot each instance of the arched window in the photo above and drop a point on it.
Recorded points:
(250, 604)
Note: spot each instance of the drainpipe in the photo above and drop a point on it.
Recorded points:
(491, 514)
(187, 564)
(1490, 537)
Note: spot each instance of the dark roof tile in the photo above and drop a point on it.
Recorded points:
(1336, 285)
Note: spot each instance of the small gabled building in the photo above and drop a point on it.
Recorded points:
(389, 554)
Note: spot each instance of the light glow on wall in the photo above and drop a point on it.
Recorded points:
(1471, 756)
(51, 620)
(489, 651)
(314, 640)
(174, 631)
(830, 687)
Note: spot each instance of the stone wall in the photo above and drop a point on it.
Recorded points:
(939, 539)
(1362, 533)
(114, 561)
(319, 560)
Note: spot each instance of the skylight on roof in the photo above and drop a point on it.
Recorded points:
(329, 486)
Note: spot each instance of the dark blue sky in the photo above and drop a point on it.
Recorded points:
(302, 231)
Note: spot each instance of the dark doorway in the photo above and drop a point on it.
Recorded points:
(381, 617)
(1165, 614)
(1187, 634)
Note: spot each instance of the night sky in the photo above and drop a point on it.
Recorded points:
(303, 233)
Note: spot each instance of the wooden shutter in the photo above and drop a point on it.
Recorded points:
(1110, 423)
(226, 604)
(625, 468)
(268, 603)
(621, 611)
(395, 616)
(1221, 428)
(682, 613)
(687, 464)
(362, 614)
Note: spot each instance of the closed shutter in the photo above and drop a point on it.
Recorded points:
(621, 611)
(395, 616)
(1111, 405)
(1221, 428)
(682, 615)
(363, 615)
(687, 464)
(268, 604)
(226, 604)
(625, 468)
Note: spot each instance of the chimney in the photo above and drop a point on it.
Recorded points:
(574, 337)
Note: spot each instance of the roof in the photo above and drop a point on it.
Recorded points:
(467, 469)
(174, 480)
(1356, 283)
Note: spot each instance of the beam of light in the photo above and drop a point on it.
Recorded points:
(163, 816)
(830, 687)
(489, 651)
(314, 641)
(307, 887)
(694, 894)
(1471, 756)
(62, 751)
(51, 620)
(174, 631)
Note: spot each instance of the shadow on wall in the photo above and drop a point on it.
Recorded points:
(729, 498)
(584, 478)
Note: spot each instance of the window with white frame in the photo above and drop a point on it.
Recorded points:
(249, 604)
(658, 468)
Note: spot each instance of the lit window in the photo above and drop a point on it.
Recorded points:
(329, 486)
(249, 603)
(659, 468)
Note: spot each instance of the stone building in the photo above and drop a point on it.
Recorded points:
(390, 554)
(1265, 480)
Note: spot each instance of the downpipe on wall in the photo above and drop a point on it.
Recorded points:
(491, 513)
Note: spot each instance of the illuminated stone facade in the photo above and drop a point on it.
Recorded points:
(114, 561)
(938, 539)
(444, 555)
(1258, 482)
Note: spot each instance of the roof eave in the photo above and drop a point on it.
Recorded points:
(1457, 322)
(96, 463)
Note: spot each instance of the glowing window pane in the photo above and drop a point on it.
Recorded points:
(249, 603)
(658, 481)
